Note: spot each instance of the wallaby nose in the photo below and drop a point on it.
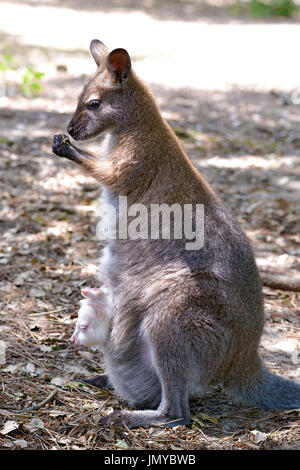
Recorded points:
(70, 129)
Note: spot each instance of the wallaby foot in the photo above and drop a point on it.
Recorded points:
(99, 381)
(63, 147)
(135, 419)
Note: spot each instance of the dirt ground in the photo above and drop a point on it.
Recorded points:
(246, 143)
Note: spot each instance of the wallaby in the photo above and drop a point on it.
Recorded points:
(182, 320)
(92, 322)
(92, 326)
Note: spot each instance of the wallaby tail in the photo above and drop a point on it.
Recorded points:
(267, 390)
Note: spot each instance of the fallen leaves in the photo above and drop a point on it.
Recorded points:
(34, 292)
(201, 417)
(58, 381)
(9, 426)
(34, 425)
(2, 352)
(259, 436)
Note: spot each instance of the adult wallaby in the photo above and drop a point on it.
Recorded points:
(181, 320)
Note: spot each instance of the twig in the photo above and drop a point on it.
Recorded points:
(21, 414)
(204, 435)
(26, 357)
(31, 408)
(44, 402)
(281, 281)
(103, 405)
(45, 313)
(31, 334)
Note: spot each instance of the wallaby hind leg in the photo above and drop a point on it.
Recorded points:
(174, 407)
(172, 411)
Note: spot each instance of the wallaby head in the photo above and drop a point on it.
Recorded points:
(102, 102)
(92, 323)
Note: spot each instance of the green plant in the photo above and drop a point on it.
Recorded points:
(8, 62)
(31, 82)
(285, 8)
(265, 8)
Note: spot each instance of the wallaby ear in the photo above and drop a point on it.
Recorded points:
(99, 52)
(119, 64)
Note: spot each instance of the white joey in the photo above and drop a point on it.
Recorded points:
(93, 321)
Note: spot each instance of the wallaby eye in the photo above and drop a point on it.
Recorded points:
(93, 104)
(83, 326)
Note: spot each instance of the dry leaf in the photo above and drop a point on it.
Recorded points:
(85, 354)
(295, 357)
(205, 417)
(4, 328)
(252, 446)
(34, 425)
(19, 281)
(121, 444)
(9, 426)
(20, 443)
(8, 444)
(259, 436)
(2, 352)
(13, 369)
(30, 367)
(45, 348)
(90, 406)
(37, 292)
(56, 413)
(174, 447)
(59, 381)
(64, 440)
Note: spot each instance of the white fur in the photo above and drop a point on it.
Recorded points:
(92, 324)
(94, 314)
(107, 145)
(106, 260)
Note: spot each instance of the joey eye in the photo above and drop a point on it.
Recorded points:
(83, 327)
(93, 104)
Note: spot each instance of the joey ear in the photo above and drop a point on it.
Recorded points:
(86, 292)
(90, 292)
(99, 52)
(119, 64)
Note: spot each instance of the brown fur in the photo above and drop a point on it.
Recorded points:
(181, 321)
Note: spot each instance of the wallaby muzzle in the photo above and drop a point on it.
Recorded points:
(71, 129)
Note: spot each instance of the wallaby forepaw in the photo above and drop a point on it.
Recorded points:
(61, 145)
